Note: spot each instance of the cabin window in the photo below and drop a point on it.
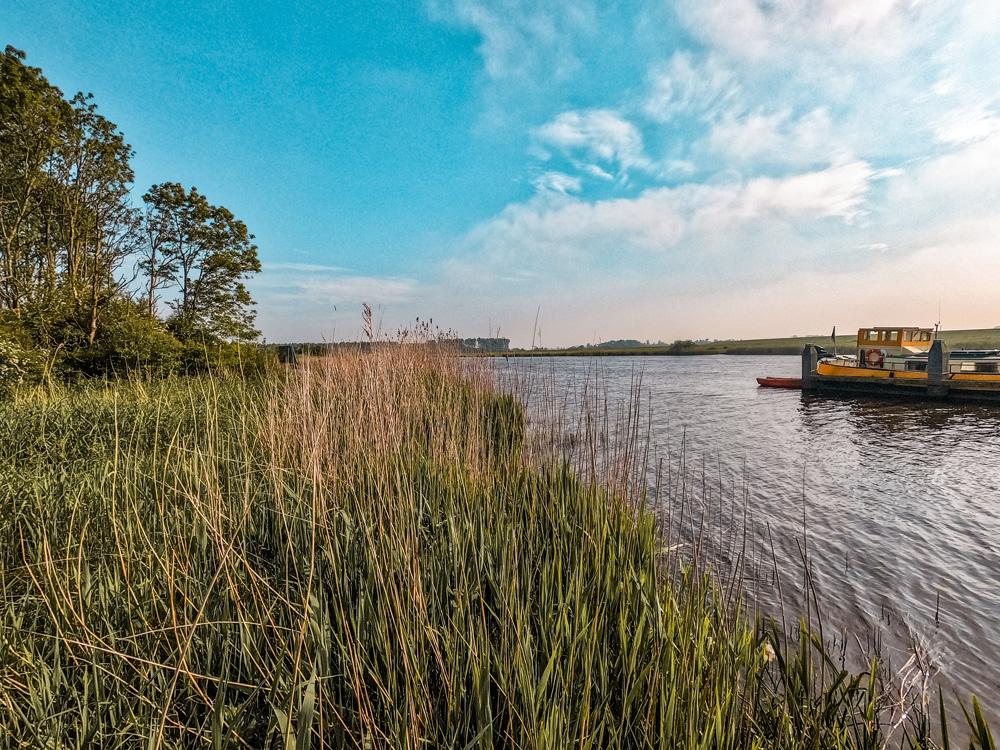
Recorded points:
(986, 367)
(907, 335)
(918, 366)
(890, 335)
(871, 335)
(925, 335)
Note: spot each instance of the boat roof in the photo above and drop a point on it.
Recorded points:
(896, 328)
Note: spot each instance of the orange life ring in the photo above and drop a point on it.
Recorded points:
(874, 357)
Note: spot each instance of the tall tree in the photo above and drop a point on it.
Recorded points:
(100, 225)
(34, 118)
(205, 253)
(66, 222)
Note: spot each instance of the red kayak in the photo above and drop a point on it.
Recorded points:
(780, 382)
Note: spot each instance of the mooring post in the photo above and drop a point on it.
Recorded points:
(810, 358)
(938, 368)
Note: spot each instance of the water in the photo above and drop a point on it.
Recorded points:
(897, 504)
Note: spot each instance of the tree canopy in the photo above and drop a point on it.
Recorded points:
(77, 256)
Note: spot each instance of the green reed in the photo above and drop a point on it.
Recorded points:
(360, 555)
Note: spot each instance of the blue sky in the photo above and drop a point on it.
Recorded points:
(659, 170)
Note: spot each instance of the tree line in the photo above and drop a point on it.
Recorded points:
(89, 280)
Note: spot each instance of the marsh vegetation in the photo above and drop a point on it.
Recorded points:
(369, 552)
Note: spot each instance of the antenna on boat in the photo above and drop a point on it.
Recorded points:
(937, 325)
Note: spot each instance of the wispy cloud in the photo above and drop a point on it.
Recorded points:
(777, 138)
(749, 29)
(685, 86)
(548, 238)
(303, 267)
(556, 182)
(964, 126)
(521, 38)
(601, 135)
(300, 286)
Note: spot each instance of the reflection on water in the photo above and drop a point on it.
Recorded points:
(900, 501)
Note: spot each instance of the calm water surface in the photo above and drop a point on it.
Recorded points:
(901, 501)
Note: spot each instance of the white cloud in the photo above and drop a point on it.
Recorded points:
(777, 138)
(521, 37)
(552, 236)
(949, 187)
(964, 126)
(686, 87)
(360, 289)
(306, 267)
(306, 302)
(557, 182)
(752, 29)
(600, 134)
(594, 171)
(300, 285)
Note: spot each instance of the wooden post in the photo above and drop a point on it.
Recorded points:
(809, 361)
(938, 369)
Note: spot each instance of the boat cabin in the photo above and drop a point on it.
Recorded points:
(876, 344)
(904, 353)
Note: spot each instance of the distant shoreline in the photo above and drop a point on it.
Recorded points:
(973, 338)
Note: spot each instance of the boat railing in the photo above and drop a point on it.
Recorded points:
(989, 364)
(954, 367)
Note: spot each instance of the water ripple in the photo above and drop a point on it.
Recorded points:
(900, 501)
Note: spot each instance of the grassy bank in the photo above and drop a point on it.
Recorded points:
(361, 555)
(986, 338)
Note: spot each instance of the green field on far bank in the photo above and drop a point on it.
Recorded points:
(973, 338)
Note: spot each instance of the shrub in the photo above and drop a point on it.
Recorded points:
(20, 362)
(228, 357)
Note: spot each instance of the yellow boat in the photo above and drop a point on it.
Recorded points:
(903, 361)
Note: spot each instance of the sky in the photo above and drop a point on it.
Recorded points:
(563, 173)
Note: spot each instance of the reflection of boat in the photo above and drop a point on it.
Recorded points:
(904, 362)
(780, 382)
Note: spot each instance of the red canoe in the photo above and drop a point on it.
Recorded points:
(780, 382)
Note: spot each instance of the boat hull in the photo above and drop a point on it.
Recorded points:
(789, 383)
(833, 378)
(957, 390)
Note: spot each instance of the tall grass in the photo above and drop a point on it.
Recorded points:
(366, 554)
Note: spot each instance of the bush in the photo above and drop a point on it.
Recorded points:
(20, 362)
(11, 367)
(139, 344)
(227, 357)
(128, 341)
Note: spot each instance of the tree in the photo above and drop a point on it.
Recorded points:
(66, 222)
(33, 120)
(67, 227)
(205, 253)
(100, 225)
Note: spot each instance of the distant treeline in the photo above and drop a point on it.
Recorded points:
(92, 281)
(469, 346)
(617, 344)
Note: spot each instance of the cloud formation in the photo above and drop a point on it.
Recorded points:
(520, 37)
(598, 135)
(754, 31)
(726, 159)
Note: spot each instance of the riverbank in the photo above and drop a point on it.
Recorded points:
(365, 553)
(980, 338)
